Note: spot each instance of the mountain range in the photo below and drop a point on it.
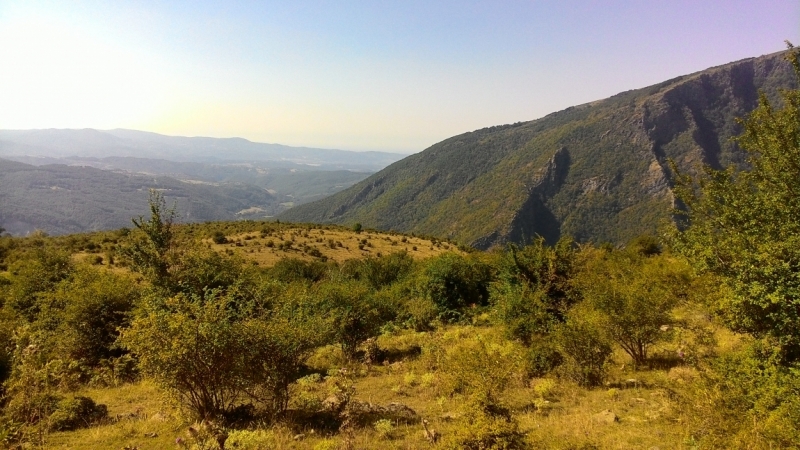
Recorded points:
(208, 178)
(66, 143)
(599, 171)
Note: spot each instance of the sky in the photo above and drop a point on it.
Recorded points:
(393, 76)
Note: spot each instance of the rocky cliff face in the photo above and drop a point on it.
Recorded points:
(598, 171)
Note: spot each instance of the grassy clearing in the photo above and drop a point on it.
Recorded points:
(554, 414)
(333, 244)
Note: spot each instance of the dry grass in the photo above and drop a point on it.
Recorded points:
(334, 244)
(554, 414)
(138, 417)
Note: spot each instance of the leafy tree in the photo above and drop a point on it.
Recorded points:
(354, 311)
(35, 277)
(534, 290)
(634, 296)
(152, 255)
(744, 225)
(212, 353)
(453, 282)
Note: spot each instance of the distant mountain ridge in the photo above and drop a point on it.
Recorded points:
(597, 171)
(61, 143)
(277, 176)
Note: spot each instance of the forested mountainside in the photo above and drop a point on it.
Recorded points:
(598, 171)
(62, 199)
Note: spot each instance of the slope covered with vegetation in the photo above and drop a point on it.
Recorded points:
(598, 172)
(182, 335)
(62, 199)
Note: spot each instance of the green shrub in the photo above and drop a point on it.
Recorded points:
(34, 277)
(584, 347)
(76, 412)
(219, 237)
(744, 400)
(523, 312)
(379, 271)
(542, 357)
(634, 297)
(480, 369)
(96, 305)
(480, 431)
(355, 314)
(454, 282)
(292, 269)
(221, 351)
(251, 439)
(384, 428)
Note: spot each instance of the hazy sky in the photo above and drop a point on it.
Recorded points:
(378, 75)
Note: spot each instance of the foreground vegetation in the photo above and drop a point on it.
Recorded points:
(183, 336)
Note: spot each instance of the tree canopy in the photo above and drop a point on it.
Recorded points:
(744, 225)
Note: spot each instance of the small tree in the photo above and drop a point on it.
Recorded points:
(584, 346)
(355, 314)
(634, 295)
(744, 226)
(151, 255)
(212, 353)
(453, 282)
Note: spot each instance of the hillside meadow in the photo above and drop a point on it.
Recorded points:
(331, 338)
(262, 335)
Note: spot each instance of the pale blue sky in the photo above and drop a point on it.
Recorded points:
(395, 76)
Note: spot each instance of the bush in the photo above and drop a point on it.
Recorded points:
(219, 237)
(96, 306)
(454, 282)
(221, 351)
(355, 313)
(480, 431)
(419, 313)
(76, 412)
(379, 271)
(744, 400)
(292, 269)
(481, 370)
(523, 312)
(584, 347)
(542, 357)
(35, 277)
(634, 297)
(251, 439)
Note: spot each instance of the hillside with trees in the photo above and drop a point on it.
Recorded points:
(598, 172)
(59, 199)
(266, 334)
(212, 179)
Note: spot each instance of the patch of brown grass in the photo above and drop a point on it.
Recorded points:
(334, 244)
